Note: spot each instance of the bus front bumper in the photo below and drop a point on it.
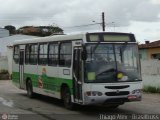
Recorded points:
(93, 100)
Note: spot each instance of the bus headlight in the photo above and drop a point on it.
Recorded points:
(94, 93)
(100, 94)
(136, 91)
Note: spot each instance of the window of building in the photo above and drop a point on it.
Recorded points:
(33, 54)
(16, 54)
(53, 54)
(65, 54)
(43, 48)
(27, 54)
(156, 56)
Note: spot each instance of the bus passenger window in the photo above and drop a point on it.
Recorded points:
(27, 54)
(42, 54)
(53, 54)
(65, 54)
(16, 54)
(33, 54)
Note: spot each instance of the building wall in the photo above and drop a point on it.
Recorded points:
(146, 54)
(143, 54)
(4, 33)
(150, 67)
(3, 63)
(150, 70)
(151, 80)
(152, 51)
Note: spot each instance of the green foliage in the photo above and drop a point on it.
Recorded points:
(40, 30)
(151, 89)
(11, 29)
(3, 71)
(4, 75)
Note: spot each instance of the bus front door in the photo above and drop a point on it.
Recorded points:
(21, 69)
(77, 75)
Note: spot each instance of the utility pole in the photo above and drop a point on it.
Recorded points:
(103, 21)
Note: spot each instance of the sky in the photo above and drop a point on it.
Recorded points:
(140, 17)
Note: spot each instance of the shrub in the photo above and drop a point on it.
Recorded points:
(151, 89)
(4, 74)
(3, 71)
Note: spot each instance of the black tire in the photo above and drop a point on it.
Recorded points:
(30, 93)
(67, 99)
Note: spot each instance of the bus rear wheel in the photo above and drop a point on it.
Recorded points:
(30, 93)
(67, 99)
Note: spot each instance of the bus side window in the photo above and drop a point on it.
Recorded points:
(43, 54)
(27, 54)
(53, 54)
(65, 54)
(16, 54)
(33, 54)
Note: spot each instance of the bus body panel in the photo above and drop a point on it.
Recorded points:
(101, 87)
(48, 80)
(15, 74)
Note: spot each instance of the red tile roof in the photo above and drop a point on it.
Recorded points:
(154, 44)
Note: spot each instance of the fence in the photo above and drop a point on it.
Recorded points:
(151, 80)
(150, 67)
(151, 73)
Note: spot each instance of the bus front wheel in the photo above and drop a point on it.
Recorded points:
(30, 93)
(67, 99)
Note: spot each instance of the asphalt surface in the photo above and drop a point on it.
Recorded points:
(15, 104)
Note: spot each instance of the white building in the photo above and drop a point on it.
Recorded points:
(8, 41)
(4, 33)
(6, 50)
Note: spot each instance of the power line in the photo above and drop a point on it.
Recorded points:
(86, 25)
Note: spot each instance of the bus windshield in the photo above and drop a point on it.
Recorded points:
(108, 63)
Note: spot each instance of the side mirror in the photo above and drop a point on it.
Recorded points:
(84, 53)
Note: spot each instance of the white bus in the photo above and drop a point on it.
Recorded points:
(100, 68)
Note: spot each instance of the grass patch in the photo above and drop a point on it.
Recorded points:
(151, 89)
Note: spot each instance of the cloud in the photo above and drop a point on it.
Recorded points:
(145, 11)
(66, 13)
(155, 1)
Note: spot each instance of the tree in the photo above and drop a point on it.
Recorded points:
(40, 30)
(50, 30)
(11, 29)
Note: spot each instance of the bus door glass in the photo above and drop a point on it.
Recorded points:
(77, 74)
(21, 68)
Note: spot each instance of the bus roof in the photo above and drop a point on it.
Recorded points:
(50, 38)
(61, 38)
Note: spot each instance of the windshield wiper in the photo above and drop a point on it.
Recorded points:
(95, 47)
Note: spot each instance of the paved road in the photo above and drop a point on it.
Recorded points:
(16, 104)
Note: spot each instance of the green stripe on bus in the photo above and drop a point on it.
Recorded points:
(15, 77)
(49, 83)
